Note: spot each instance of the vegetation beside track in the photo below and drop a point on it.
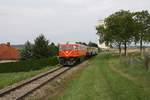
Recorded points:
(104, 79)
(27, 65)
(16, 71)
(7, 79)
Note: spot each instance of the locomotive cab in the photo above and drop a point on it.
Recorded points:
(70, 54)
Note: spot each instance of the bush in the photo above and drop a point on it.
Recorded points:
(28, 65)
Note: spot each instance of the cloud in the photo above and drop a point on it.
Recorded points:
(59, 20)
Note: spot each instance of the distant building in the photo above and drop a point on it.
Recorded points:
(8, 53)
(101, 45)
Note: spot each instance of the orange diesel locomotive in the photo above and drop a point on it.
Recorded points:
(70, 54)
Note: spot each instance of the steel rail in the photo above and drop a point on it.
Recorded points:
(24, 95)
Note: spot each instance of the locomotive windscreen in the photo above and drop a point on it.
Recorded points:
(67, 47)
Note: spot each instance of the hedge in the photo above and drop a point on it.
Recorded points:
(28, 65)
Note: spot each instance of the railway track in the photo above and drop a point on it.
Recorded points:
(18, 92)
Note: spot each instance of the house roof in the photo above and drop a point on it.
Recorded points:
(8, 53)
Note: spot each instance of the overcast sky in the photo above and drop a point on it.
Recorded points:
(58, 20)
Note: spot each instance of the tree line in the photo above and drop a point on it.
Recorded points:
(125, 27)
(91, 44)
(40, 49)
(43, 49)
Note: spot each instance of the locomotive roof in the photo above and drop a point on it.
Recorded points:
(75, 44)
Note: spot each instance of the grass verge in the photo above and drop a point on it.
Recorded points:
(17, 71)
(7, 79)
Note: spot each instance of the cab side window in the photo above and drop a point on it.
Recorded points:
(76, 47)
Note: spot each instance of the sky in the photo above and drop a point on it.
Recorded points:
(59, 20)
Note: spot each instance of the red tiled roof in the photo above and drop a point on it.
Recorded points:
(8, 53)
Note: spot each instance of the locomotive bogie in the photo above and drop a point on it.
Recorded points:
(70, 60)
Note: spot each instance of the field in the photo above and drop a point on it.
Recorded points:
(16, 71)
(130, 50)
(106, 78)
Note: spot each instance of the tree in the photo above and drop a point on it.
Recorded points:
(92, 44)
(41, 47)
(143, 26)
(118, 29)
(27, 51)
(53, 49)
(147, 36)
(83, 43)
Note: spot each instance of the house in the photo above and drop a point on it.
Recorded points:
(8, 53)
(103, 46)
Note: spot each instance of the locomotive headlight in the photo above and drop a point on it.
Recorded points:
(66, 51)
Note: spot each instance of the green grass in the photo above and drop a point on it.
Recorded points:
(99, 82)
(133, 65)
(139, 75)
(10, 78)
